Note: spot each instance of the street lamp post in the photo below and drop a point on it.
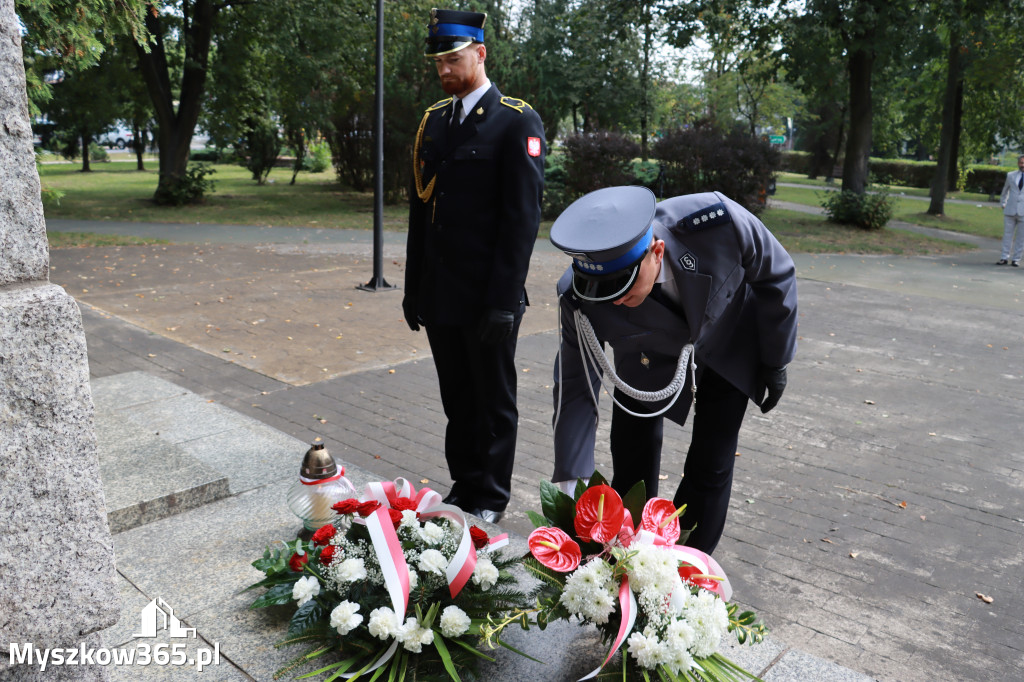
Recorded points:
(378, 282)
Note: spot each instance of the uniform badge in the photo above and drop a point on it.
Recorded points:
(533, 146)
(710, 216)
(688, 261)
(645, 361)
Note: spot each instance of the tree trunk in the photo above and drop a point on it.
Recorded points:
(176, 127)
(85, 139)
(858, 142)
(958, 117)
(138, 145)
(954, 76)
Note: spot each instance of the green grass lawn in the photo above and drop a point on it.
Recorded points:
(981, 218)
(116, 191)
(895, 189)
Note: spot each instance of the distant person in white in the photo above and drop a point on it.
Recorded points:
(1012, 199)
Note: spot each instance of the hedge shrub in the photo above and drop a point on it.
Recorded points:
(596, 160)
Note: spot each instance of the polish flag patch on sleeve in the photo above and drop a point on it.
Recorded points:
(533, 146)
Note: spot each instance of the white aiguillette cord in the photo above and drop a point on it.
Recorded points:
(595, 353)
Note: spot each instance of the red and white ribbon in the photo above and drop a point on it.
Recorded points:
(627, 604)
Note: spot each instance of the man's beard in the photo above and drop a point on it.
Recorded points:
(455, 85)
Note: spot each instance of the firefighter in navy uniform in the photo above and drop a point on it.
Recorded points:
(691, 291)
(474, 213)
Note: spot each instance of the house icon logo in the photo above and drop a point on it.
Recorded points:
(157, 615)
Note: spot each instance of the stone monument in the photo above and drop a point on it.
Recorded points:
(57, 580)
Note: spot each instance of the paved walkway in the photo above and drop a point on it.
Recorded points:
(869, 509)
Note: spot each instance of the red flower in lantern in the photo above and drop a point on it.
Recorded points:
(661, 518)
(555, 549)
(599, 514)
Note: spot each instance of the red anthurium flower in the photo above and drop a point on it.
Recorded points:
(366, 508)
(599, 514)
(348, 506)
(555, 549)
(297, 561)
(692, 574)
(661, 518)
(479, 537)
(324, 534)
(327, 555)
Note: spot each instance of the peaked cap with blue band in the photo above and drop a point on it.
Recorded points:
(451, 30)
(607, 233)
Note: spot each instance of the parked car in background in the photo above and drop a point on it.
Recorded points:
(117, 137)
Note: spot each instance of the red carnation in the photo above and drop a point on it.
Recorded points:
(348, 506)
(479, 537)
(327, 555)
(324, 534)
(297, 561)
(367, 508)
(396, 516)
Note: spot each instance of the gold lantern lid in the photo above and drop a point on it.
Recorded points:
(318, 464)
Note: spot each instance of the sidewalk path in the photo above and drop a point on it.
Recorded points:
(869, 509)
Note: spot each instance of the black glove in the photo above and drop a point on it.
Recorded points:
(496, 325)
(772, 379)
(409, 308)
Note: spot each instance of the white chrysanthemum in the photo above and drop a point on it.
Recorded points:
(653, 567)
(350, 570)
(344, 618)
(647, 649)
(590, 592)
(305, 589)
(413, 636)
(485, 574)
(383, 623)
(432, 561)
(710, 620)
(454, 621)
(409, 519)
(432, 534)
(677, 659)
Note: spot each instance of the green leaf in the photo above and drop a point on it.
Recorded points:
(305, 617)
(473, 650)
(536, 519)
(270, 581)
(556, 505)
(446, 658)
(278, 594)
(635, 500)
(342, 665)
(548, 575)
(515, 650)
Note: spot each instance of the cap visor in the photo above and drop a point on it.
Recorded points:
(608, 288)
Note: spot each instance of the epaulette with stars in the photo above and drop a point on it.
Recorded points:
(709, 216)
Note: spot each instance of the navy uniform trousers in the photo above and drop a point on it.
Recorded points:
(707, 473)
(478, 393)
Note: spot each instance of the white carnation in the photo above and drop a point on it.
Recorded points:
(413, 636)
(344, 617)
(409, 519)
(383, 623)
(432, 534)
(485, 574)
(454, 621)
(432, 561)
(305, 589)
(350, 571)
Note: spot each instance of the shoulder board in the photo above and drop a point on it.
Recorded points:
(709, 216)
(514, 103)
(440, 105)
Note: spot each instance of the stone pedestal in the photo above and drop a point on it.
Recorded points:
(57, 578)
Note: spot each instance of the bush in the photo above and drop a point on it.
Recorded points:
(556, 196)
(97, 153)
(596, 160)
(705, 159)
(209, 154)
(190, 189)
(795, 162)
(867, 211)
(262, 147)
(318, 158)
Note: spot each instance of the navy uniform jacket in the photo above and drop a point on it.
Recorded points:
(737, 305)
(475, 209)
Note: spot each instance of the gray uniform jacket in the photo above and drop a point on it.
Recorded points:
(736, 302)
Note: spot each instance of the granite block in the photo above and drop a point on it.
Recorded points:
(128, 622)
(183, 417)
(25, 253)
(797, 666)
(250, 455)
(22, 672)
(51, 499)
(119, 391)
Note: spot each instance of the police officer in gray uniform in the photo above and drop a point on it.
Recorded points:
(698, 301)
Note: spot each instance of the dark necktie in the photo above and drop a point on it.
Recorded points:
(457, 116)
(1020, 181)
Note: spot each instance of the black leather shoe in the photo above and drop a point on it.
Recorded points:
(461, 503)
(1015, 263)
(489, 515)
(1001, 261)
